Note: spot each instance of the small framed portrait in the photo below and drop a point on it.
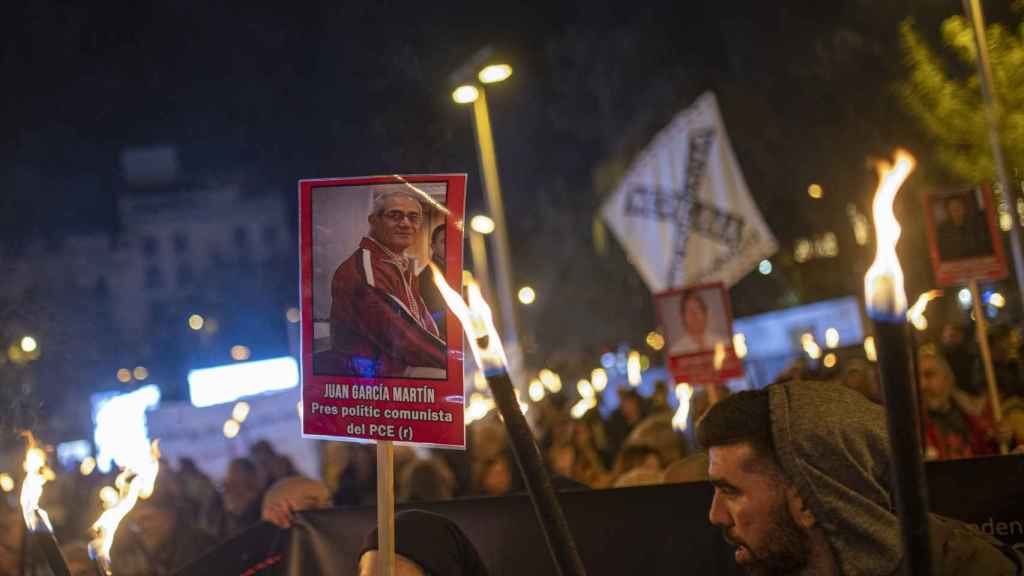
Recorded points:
(382, 355)
(963, 237)
(697, 324)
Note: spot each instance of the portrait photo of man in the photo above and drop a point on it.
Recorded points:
(962, 230)
(379, 324)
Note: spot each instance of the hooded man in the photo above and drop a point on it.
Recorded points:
(380, 326)
(801, 476)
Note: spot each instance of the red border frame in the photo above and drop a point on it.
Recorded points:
(958, 272)
(450, 390)
(732, 367)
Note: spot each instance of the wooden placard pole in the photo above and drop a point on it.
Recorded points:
(385, 508)
(986, 358)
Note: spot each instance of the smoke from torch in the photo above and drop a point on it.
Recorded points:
(131, 485)
(37, 473)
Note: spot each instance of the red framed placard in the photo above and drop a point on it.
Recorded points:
(963, 238)
(697, 324)
(378, 362)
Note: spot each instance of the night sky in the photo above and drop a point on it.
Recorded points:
(281, 91)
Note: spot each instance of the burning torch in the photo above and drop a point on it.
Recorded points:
(886, 302)
(490, 357)
(39, 529)
(131, 486)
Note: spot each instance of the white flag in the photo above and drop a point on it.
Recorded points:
(683, 212)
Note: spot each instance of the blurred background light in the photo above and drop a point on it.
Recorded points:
(120, 432)
(29, 344)
(527, 295)
(240, 353)
(240, 412)
(655, 340)
(222, 384)
(231, 428)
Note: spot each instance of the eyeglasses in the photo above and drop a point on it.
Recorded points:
(396, 216)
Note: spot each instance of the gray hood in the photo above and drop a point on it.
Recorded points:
(832, 443)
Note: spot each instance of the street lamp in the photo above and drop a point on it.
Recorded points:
(479, 226)
(494, 73)
(29, 344)
(482, 224)
(466, 93)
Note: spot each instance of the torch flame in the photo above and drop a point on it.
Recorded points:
(683, 393)
(37, 473)
(884, 293)
(916, 312)
(131, 485)
(477, 321)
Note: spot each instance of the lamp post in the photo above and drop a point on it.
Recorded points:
(474, 93)
(480, 226)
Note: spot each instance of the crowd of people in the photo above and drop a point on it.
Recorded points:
(635, 444)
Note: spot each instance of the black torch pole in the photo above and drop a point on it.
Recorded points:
(47, 544)
(908, 481)
(538, 482)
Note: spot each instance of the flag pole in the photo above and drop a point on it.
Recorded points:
(992, 118)
(986, 358)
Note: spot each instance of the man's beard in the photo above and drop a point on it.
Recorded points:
(785, 552)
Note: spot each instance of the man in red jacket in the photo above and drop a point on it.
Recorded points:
(380, 326)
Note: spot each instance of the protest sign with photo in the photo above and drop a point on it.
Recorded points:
(381, 354)
(963, 237)
(697, 323)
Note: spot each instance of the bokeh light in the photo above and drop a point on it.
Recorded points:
(231, 428)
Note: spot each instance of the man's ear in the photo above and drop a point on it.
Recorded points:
(799, 511)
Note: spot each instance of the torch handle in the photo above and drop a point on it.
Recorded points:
(908, 481)
(47, 544)
(538, 483)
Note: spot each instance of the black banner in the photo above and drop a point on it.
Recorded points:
(646, 530)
